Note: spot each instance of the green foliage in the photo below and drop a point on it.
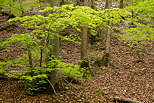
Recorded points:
(35, 78)
(46, 26)
(142, 19)
(17, 8)
(69, 69)
(11, 5)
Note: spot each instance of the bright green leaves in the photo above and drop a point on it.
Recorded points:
(17, 8)
(68, 69)
(30, 78)
(11, 5)
(23, 39)
(50, 23)
(71, 70)
(68, 15)
(54, 20)
(81, 16)
(138, 35)
(142, 19)
(59, 18)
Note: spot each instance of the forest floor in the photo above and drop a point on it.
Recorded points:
(129, 75)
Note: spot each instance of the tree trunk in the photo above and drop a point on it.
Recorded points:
(107, 48)
(108, 4)
(121, 4)
(53, 51)
(30, 58)
(93, 4)
(54, 2)
(86, 3)
(53, 54)
(84, 42)
(78, 2)
(108, 39)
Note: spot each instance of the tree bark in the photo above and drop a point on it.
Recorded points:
(107, 48)
(93, 4)
(108, 4)
(54, 2)
(106, 55)
(86, 3)
(84, 41)
(30, 58)
(121, 4)
(53, 52)
(78, 2)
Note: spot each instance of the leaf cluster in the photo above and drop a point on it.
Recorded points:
(18, 7)
(142, 31)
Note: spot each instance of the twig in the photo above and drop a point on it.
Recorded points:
(21, 93)
(51, 85)
(69, 83)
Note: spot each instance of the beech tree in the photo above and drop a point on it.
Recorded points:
(106, 55)
(53, 46)
(84, 43)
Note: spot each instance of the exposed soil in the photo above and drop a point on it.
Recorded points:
(127, 76)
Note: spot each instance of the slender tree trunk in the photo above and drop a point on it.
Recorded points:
(108, 39)
(92, 37)
(78, 2)
(54, 2)
(93, 4)
(53, 52)
(121, 4)
(84, 41)
(86, 3)
(30, 58)
(84, 44)
(107, 47)
(41, 56)
(108, 4)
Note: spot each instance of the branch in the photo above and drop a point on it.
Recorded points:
(51, 85)
(125, 100)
